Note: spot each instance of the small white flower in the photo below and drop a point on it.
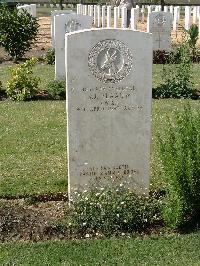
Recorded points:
(101, 188)
(84, 224)
(70, 224)
(123, 234)
(118, 215)
(121, 185)
(84, 191)
(86, 198)
(122, 202)
(97, 194)
(125, 221)
(87, 235)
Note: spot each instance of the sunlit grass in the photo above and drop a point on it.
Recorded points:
(33, 139)
(171, 250)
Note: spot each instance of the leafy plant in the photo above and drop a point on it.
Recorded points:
(193, 34)
(180, 154)
(177, 77)
(112, 210)
(49, 57)
(57, 89)
(22, 85)
(18, 31)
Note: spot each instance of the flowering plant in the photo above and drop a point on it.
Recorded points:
(112, 210)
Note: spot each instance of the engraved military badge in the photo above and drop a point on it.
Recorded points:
(110, 61)
(72, 25)
(160, 20)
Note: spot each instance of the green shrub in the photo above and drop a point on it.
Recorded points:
(57, 89)
(193, 34)
(49, 57)
(22, 85)
(111, 211)
(180, 154)
(18, 31)
(177, 77)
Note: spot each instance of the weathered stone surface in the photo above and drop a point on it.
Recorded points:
(108, 107)
(159, 24)
(65, 24)
(53, 14)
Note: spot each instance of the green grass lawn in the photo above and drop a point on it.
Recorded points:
(33, 147)
(33, 160)
(154, 250)
(33, 139)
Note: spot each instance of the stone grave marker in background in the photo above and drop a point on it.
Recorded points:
(53, 14)
(109, 86)
(66, 23)
(159, 24)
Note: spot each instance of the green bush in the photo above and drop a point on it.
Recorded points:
(177, 77)
(179, 151)
(49, 57)
(57, 89)
(111, 211)
(22, 85)
(193, 34)
(18, 31)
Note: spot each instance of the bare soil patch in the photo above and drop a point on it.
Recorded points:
(20, 220)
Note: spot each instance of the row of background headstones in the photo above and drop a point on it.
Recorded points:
(102, 16)
(65, 23)
(161, 34)
(99, 14)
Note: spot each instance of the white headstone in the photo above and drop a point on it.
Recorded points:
(66, 23)
(134, 18)
(187, 17)
(95, 15)
(149, 9)
(124, 18)
(98, 16)
(171, 8)
(53, 14)
(103, 16)
(109, 18)
(33, 10)
(78, 9)
(142, 12)
(175, 19)
(115, 17)
(108, 107)
(194, 20)
(159, 24)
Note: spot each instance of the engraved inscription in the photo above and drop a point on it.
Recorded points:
(118, 171)
(72, 25)
(108, 99)
(110, 61)
(160, 20)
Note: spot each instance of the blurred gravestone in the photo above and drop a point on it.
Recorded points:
(66, 23)
(159, 24)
